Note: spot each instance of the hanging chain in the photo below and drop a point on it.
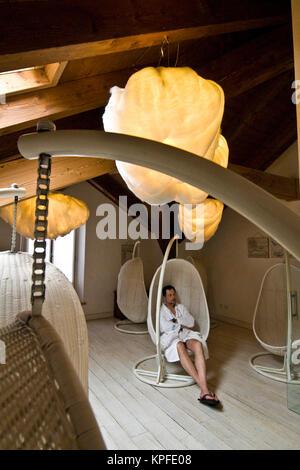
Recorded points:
(38, 289)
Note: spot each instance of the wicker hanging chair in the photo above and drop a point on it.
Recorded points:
(43, 404)
(132, 297)
(15, 292)
(270, 320)
(201, 269)
(189, 291)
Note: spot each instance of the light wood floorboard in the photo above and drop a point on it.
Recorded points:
(133, 415)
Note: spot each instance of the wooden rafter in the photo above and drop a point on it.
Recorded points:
(65, 171)
(38, 33)
(86, 120)
(238, 71)
(21, 112)
(253, 63)
(280, 186)
(260, 124)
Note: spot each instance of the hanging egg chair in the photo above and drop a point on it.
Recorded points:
(61, 308)
(281, 282)
(43, 405)
(15, 282)
(190, 292)
(132, 297)
(201, 269)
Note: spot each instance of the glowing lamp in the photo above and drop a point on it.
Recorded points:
(201, 223)
(65, 213)
(174, 106)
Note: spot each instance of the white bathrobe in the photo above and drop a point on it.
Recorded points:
(171, 333)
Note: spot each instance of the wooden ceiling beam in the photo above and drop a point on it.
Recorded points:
(255, 62)
(69, 98)
(65, 171)
(38, 33)
(66, 99)
(90, 120)
(261, 124)
(279, 186)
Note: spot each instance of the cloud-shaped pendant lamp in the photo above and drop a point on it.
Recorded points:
(177, 107)
(65, 213)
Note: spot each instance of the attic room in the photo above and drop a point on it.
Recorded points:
(149, 171)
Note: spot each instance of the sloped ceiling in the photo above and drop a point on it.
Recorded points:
(246, 46)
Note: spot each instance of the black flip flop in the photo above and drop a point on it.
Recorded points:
(209, 402)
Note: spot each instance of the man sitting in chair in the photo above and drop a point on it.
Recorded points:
(176, 325)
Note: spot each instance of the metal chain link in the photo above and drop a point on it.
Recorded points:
(38, 289)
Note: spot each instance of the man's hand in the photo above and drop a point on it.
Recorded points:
(187, 327)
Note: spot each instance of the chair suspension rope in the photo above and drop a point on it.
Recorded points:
(14, 230)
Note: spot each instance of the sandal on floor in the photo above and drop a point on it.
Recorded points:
(208, 401)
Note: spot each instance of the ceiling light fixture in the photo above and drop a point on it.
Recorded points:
(175, 106)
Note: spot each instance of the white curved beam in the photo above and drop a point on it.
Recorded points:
(252, 202)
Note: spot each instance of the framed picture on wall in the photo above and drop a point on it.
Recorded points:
(258, 247)
(276, 250)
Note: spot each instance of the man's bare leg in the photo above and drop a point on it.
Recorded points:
(186, 362)
(197, 371)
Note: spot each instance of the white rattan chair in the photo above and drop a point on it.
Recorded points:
(132, 298)
(61, 308)
(270, 321)
(190, 292)
(201, 269)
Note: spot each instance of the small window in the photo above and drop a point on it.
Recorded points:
(60, 252)
(14, 82)
(63, 254)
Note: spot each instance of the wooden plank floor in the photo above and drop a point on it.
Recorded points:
(134, 415)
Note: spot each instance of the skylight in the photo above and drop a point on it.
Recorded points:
(30, 78)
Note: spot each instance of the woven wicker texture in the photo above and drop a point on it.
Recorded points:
(32, 414)
(131, 293)
(201, 269)
(61, 307)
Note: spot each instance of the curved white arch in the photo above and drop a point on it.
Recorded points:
(246, 198)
